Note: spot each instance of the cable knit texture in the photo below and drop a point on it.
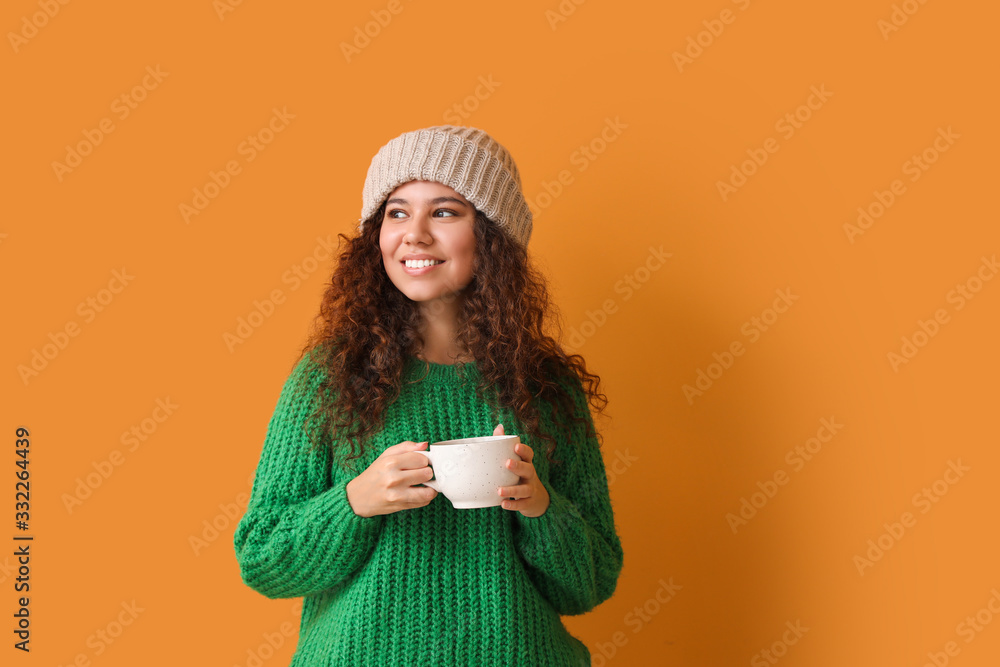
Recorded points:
(432, 585)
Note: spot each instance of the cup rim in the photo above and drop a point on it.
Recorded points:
(474, 440)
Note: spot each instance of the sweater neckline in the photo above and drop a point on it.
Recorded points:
(415, 370)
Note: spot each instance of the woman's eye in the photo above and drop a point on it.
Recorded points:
(445, 211)
(392, 213)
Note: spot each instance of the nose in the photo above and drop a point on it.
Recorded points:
(418, 229)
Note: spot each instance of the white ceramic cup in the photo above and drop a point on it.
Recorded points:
(468, 471)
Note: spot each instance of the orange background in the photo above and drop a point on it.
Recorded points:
(553, 85)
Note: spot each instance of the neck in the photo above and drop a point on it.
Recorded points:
(439, 332)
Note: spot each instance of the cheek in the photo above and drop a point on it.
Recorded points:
(387, 246)
(463, 249)
(469, 256)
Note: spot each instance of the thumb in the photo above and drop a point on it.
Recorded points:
(498, 430)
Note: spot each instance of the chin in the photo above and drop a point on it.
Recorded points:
(424, 296)
(421, 297)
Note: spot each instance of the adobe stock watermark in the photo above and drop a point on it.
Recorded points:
(779, 648)
(961, 294)
(294, 276)
(274, 640)
(581, 158)
(365, 34)
(900, 14)
(31, 25)
(636, 620)
(249, 148)
(101, 639)
(562, 12)
(223, 7)
(787, 126)
(968, 629)
(7, 570)
(59, 340)
(922, 500)
(460, 111)
(696, 44)
(132, 439)
(626, 286)
(229, 514)
(122, 106)
(914, 167)
(753, 329)
(797, 458)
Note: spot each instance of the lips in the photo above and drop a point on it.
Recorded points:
(421, 270)
(423, 259)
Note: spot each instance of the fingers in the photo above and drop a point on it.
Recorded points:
(403, 457)
(411, 498)
(517, 505)
(411, 460)
(498, 430)
(422, 495)
(418, 476)
(405, 446)
(525, 452)
(518, 491)
(530, 507)
(522, 468)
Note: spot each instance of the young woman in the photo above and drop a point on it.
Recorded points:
(432, 328)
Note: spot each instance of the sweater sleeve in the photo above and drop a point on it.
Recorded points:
(573, 551)
(299, 534)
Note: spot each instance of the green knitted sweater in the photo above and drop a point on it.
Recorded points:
(431, 585)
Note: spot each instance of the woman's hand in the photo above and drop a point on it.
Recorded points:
(531, 498)
(387, 485)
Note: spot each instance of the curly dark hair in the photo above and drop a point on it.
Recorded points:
(366, 327)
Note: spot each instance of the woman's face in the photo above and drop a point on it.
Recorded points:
(428, 220)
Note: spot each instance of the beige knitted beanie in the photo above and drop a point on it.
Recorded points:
(466, 159)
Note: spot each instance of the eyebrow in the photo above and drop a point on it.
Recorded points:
(438, 200)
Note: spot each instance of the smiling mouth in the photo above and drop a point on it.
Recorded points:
(417, 268)
(421, 263)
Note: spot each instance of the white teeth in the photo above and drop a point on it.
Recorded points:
(420, 263)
